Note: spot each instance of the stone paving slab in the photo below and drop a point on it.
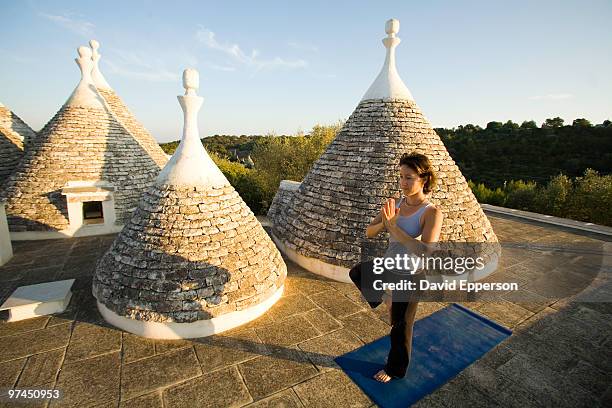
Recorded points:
(266, 375)
(144, 376)
(331, 389)
(506, 313)
(34, 342)
(23, 326)
(336, 305)
(367, 326)
(41, 368)
(9, 372)
(290, 305)
(225, 350)
(549, 385)
(285, 399)
(153, 400)
(322, 350)
(162, 346)
(223, 388)
(136, 347)
(322, 321)
(90, 340)
(285, 357)
(458, 392)
(92, 381)
(308, 285)
(287, 332)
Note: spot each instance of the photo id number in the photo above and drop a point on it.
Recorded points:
(31, 394)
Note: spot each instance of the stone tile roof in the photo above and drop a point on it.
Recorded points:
(348, 184)
(121, 111)
(193, 249)
(283, 197)
(188, 254)
(84, 141)
(15, 134)
(132, 125)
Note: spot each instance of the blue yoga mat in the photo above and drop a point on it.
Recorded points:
(443, 344)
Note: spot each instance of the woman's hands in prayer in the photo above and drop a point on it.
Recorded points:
(390, 214)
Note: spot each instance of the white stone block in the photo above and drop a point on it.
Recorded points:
(38, 300)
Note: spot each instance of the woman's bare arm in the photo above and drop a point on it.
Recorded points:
(432, 226)
(375, 227)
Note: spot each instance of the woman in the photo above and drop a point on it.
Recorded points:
(413, 216)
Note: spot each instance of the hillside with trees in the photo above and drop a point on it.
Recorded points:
(507, 151)
(221, 145)
(553, 169)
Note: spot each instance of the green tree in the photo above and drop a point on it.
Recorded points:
(520, 194)
(494, 126)
(591, 198)
(552, 199)
(486, 195)
(581, 122)
(552, 123)
(245, 181)
(289, 158)
(510, 125)
(586, 198)
(529, 124)
(170, 147)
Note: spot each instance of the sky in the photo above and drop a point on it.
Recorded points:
(282, 67)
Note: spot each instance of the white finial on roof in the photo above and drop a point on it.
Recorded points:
(98, 78)
(191, 81)
(191, 165)
(388, 84)
(85, 94)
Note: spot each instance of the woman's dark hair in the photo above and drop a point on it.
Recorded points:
(422, 166)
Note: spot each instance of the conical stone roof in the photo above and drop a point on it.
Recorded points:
(193, 260)
(122, 113)
(83, 142)
(323, 226)
(15, 134)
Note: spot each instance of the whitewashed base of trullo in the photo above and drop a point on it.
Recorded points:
(41, 299)
(200, 328)
(6, 249)
(334, 272)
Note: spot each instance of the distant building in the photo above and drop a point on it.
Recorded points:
(241, 156)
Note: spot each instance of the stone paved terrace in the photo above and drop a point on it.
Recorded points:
(559, 355)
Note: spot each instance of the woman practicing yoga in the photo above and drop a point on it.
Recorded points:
(413, 216)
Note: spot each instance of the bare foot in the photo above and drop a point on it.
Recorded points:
(382, 377)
